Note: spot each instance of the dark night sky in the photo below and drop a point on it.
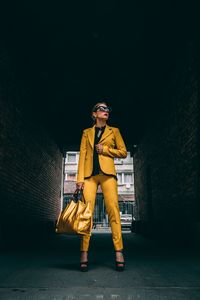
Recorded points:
(68, 55)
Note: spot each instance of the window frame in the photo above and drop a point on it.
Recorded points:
(71, 162)
(123, 178)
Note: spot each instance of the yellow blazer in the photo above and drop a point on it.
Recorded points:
(113, 146)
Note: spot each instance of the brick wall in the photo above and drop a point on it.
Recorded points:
(30, 168)
(166, 161)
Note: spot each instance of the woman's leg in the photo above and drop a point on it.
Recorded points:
(110, 192)
(89, 194)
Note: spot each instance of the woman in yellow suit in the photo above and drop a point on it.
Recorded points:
(100, 144)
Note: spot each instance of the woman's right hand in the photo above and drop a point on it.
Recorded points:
(80, 185)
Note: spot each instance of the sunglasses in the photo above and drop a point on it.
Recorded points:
(103, 108)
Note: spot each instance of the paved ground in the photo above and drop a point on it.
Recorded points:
(49, 270)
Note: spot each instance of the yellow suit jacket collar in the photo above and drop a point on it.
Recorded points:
(91, 133)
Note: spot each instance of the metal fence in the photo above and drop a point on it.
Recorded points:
(100, 216)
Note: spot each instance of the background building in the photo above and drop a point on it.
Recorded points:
(124, 169)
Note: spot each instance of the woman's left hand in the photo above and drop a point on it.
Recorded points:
(99, 148)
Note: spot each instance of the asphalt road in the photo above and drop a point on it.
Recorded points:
(48, 269)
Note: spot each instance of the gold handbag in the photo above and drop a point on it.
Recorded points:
(76, 217)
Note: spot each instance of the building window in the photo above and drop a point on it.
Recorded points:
(71, 177)
(119, 177)
(128, 178)
(118, 161)
(125, 178)
(71, 158)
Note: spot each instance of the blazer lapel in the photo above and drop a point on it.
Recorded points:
(107, 132)
(91, 133)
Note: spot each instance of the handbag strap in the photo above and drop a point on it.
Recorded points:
(78, 195)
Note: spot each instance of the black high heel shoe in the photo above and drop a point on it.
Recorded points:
(119, 265)
(84, 266)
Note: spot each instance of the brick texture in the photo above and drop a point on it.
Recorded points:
(30, 170)
(166, 161)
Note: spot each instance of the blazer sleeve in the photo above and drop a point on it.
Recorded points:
(120, 150)
(81, 162)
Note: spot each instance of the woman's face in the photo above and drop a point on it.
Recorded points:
(101, 113)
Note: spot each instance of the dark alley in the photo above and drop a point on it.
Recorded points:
(57, 60)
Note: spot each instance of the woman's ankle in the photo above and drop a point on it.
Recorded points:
(84, 253)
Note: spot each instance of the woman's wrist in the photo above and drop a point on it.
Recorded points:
(79, 185)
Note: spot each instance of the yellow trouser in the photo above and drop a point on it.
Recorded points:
(110, 193)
